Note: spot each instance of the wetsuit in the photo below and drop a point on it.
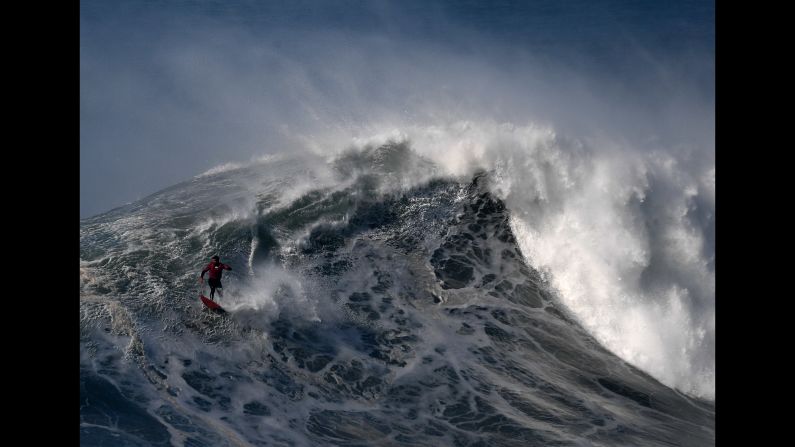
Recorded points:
(216, 269)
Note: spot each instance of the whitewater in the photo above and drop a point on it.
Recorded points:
(469, 283)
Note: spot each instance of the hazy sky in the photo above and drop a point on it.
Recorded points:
(171, 89)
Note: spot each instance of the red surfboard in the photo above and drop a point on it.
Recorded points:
(211, 304)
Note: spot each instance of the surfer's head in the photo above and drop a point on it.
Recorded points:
(216, 258)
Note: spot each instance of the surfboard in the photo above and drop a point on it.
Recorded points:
(212, 305)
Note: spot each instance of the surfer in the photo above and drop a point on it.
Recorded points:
(216, 269)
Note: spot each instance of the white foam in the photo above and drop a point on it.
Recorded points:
(613, 229)
(635, 274)
(219, 169)
(272, 291)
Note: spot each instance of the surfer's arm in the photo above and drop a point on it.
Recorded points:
(226, 267)
(204, 271)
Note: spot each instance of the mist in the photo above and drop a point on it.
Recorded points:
(169, 90)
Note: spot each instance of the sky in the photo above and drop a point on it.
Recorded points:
(170, 89)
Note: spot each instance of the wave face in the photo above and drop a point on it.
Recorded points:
(364, 309)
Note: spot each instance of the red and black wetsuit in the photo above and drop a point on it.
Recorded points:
(216, 269)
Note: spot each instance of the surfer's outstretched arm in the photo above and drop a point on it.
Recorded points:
(206, 269)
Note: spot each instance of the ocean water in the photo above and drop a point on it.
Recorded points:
(387, 295)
